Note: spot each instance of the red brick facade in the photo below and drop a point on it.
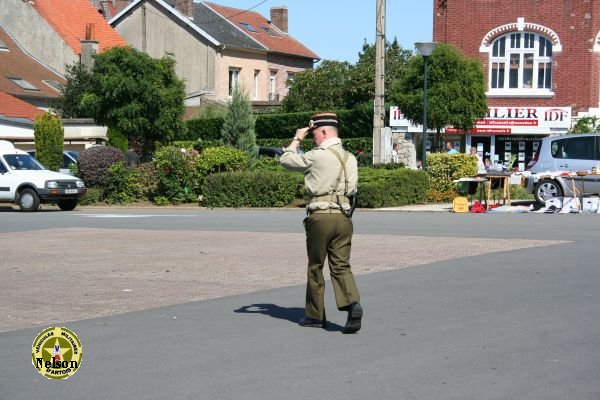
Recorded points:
(467, 24)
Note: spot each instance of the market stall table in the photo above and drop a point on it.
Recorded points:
(495, 180)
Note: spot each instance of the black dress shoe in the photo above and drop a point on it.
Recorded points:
(312, 322)
(355, 313)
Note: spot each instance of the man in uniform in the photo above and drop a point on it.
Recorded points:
(330, 178)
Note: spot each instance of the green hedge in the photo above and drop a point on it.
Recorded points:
(257, 188)
(443, 169)
(359, 145)
(380, 187)
(354, 123)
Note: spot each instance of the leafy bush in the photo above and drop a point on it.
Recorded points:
(257, 188)
(92, 196)
(148, 179)
(220, 159)
(379, 187)
(94, 163)
(117, 140)
(49, 141)
(176, 174)
(123, 184)
(443, 169)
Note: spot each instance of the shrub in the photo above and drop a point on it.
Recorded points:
(92, 196)
(257, 188)
(220, 159)
(117, 140)
(148, 179)
(443, 169)
(176, 174)
(238, 125)
(123, 184)
(93, 164)
(379, 187)
(49, 141)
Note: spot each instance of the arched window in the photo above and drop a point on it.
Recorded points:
(521, 63)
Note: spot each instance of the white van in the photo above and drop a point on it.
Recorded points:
(24, 181)
(578, 152)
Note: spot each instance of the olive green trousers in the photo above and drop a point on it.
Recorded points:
(329, 236)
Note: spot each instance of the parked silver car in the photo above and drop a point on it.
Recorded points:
(561, 154)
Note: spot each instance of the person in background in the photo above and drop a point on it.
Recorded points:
(395, 153)
(133, 158)
(487, 164)
(480, 164)
(450, 148)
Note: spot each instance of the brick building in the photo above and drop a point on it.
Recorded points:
(541, 59)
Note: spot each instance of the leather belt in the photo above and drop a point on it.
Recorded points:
(330, 198)
(326, 211)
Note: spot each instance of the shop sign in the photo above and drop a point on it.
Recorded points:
(525, 120)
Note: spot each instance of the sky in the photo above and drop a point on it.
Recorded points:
(337, 29)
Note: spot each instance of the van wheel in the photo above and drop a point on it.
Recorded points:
(28, 200)
(67, 205)
(547, 189)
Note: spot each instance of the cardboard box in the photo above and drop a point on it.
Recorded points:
(590, 204)
(570, 204)
(555, 201)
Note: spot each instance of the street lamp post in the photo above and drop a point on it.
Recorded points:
(425, 49)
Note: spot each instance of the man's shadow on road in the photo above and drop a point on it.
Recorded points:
(292, 314)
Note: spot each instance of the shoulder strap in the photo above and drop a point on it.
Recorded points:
(342, 167)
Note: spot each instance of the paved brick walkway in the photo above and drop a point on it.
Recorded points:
(56, 275)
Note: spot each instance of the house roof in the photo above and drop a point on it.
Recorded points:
(220, 29)
(262, 31)
(16, 64)
(69, 19)
(12, 107)
(166, 5)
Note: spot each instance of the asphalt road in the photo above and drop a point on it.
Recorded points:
(519, 324)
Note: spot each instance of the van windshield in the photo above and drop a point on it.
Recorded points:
(22, 162)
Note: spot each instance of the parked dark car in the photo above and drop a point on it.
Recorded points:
(270, 151)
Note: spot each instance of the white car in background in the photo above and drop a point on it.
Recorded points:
(69, 158)
(25, 182)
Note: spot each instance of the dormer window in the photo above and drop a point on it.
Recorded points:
(520, 64)
(54, 85)
(248, 27)
(270, 32)
(23, 84)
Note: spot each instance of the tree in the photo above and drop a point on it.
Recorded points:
(586, 125)
(455, 94)
(137, 95)
(69, 104)
(362, 83)
(324, 88)
(238, 124)
(49, 141)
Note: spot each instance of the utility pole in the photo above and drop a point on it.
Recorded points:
(379, 104)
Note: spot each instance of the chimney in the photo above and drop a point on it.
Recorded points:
(186, 7)
(89, 47)
(279, 18)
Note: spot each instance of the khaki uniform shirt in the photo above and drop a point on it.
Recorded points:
(321, 169)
